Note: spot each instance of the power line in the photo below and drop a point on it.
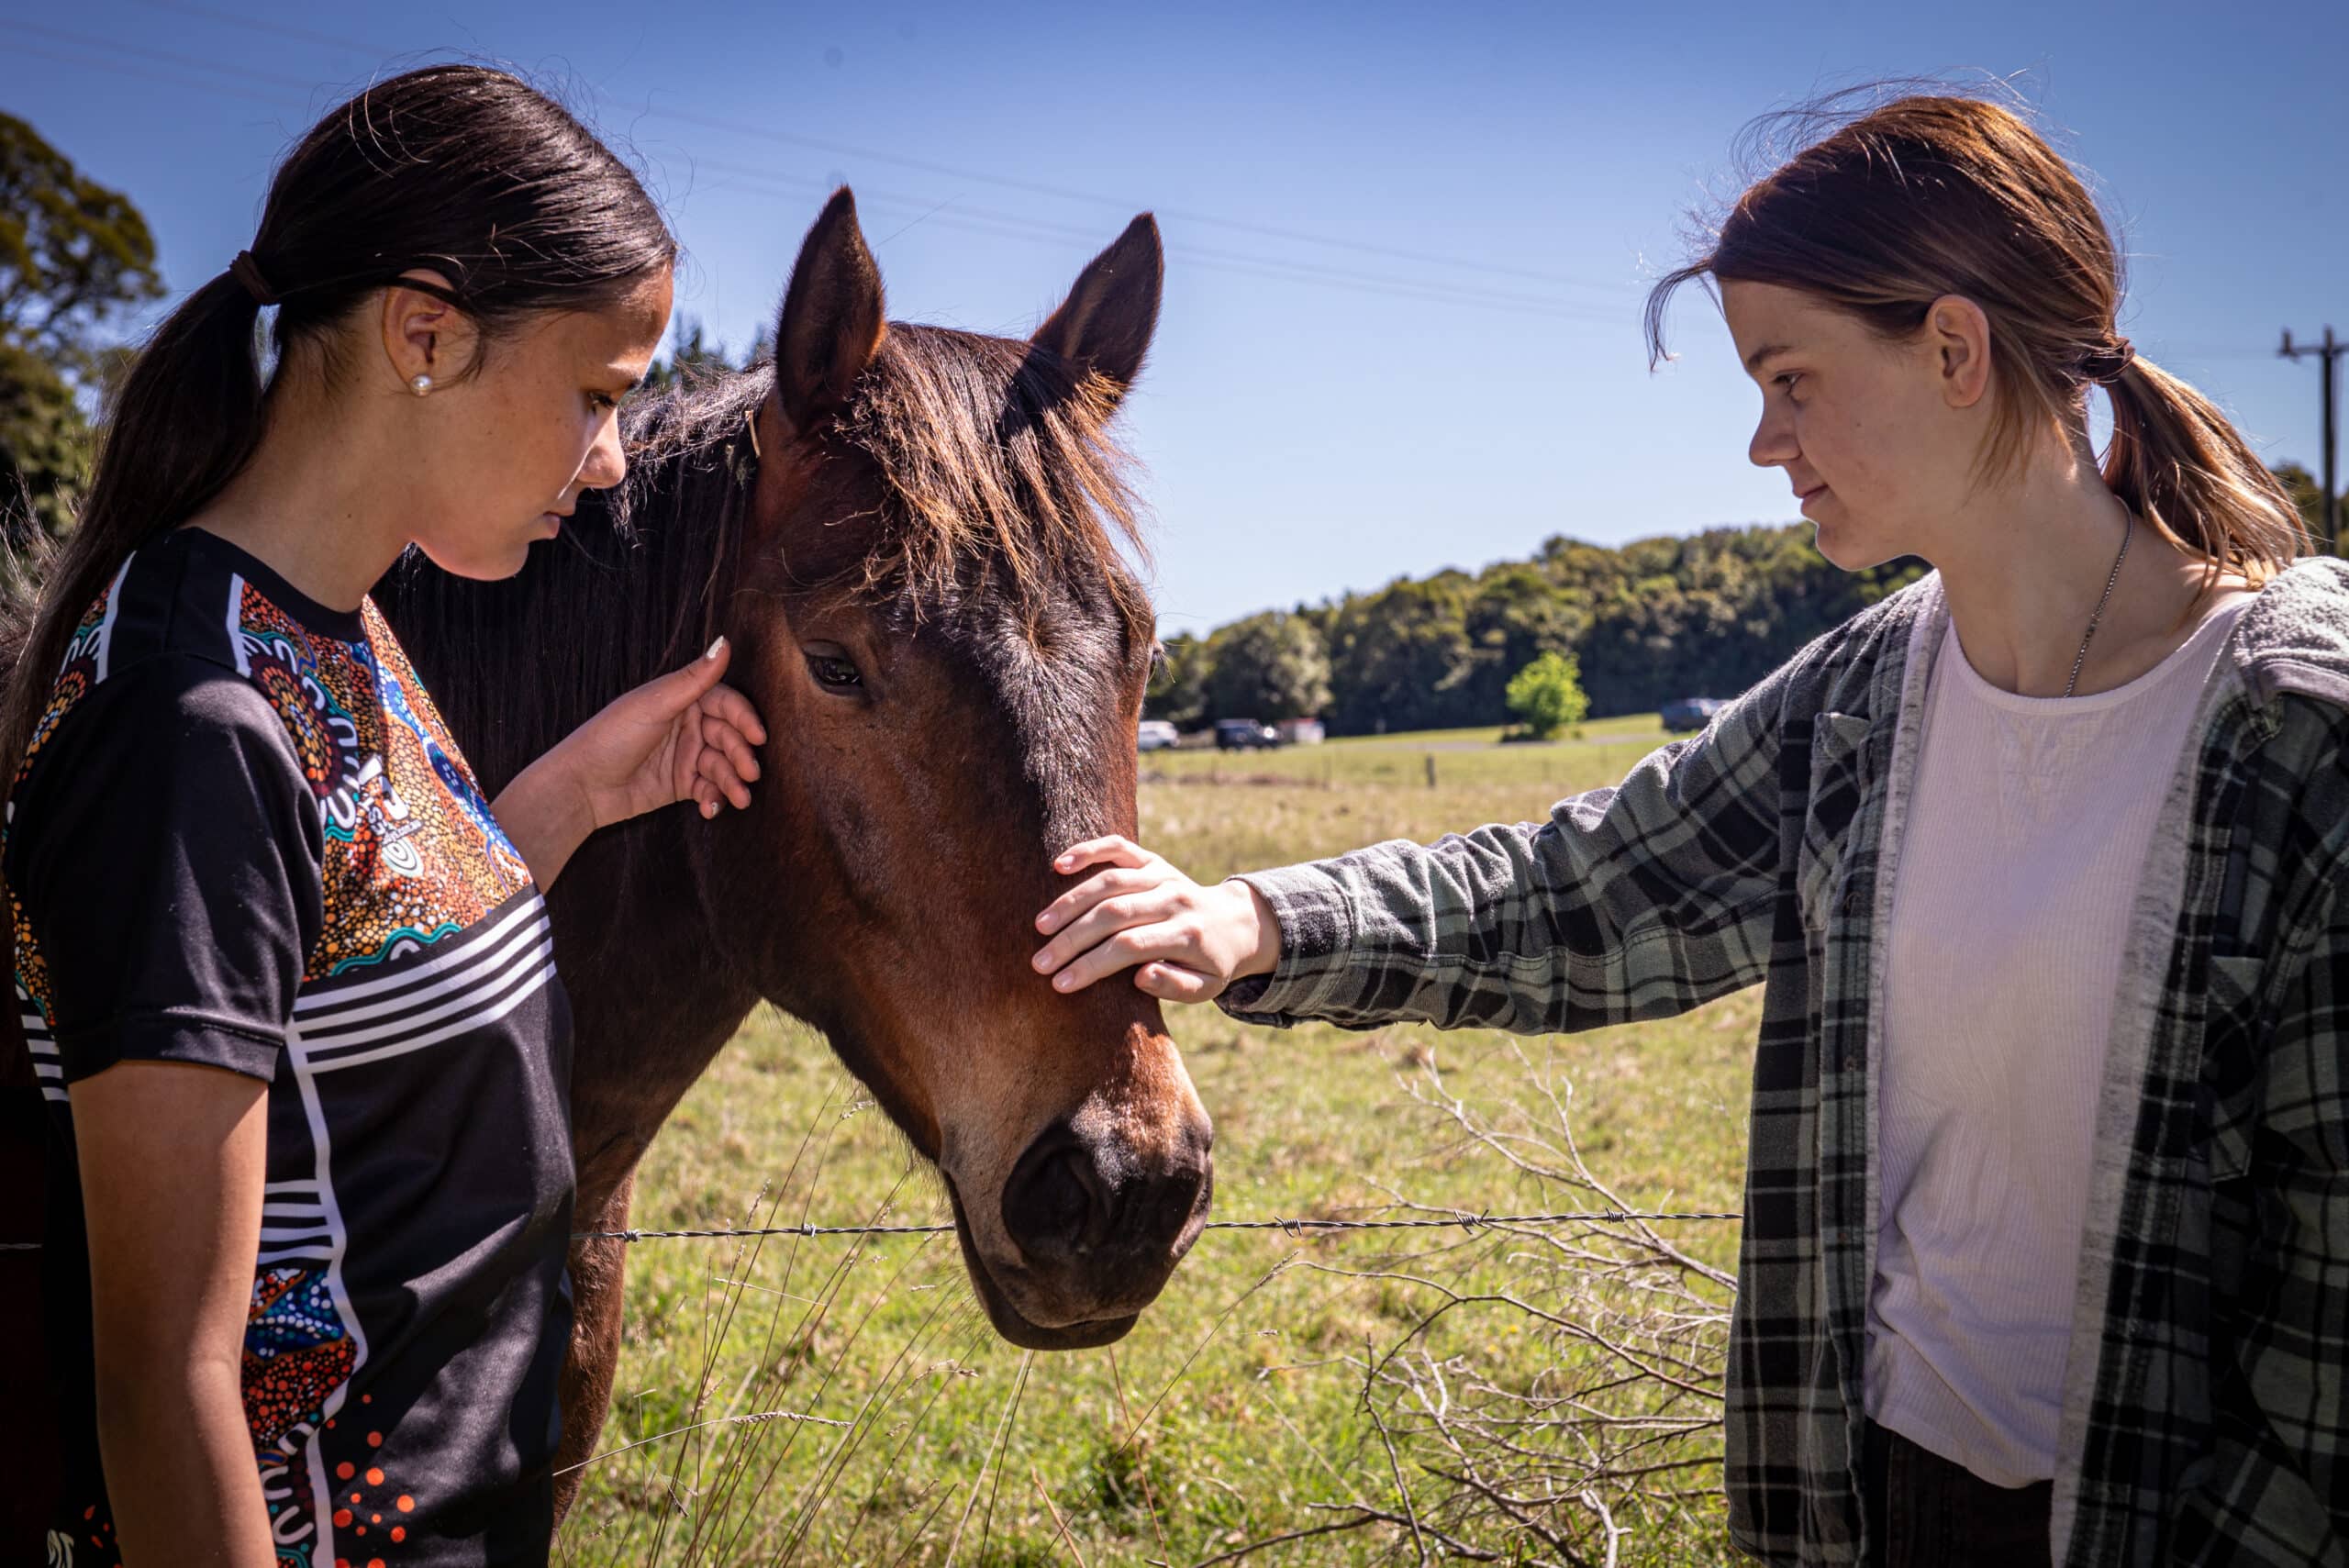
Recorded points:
(2324, 353)
(991, 222)
(167, 57)
(139, 73)
(852, 150)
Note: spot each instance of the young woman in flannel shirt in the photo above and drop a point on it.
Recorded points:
(2040, 861)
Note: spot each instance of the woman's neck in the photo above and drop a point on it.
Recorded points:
(2024, 564)
(315, 503)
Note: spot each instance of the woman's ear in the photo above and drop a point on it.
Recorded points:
(424, 335)
(1958, 332)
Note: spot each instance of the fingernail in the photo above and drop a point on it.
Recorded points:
(714, 647)
(1062, 981)
(709, 808)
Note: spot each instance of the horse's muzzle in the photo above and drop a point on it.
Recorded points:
(1098, 1228)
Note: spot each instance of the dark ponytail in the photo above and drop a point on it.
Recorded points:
(466, 170)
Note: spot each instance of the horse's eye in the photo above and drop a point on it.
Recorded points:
(834, 673)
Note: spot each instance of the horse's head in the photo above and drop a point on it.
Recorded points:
(931, 611)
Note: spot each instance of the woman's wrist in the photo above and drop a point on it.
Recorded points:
(547, 814)
(1261, 926)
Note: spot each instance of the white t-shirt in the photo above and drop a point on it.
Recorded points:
(2026, 840)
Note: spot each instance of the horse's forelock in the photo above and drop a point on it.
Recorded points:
(1006, 506)
(994, 455)
(1056, 680)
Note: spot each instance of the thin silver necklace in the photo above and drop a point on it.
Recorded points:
(2127, 519)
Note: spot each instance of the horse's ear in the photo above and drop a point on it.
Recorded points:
(1106, 323)
(832, 318)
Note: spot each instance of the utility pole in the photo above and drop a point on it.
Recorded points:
(2324, 354)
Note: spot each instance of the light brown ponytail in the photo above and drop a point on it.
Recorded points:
(1929, 195)
(2181, 466)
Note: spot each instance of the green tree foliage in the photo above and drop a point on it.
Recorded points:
(45, 442)
(1547, 695)
(692, 350)
(1178, 686)
(1654, 619)
(1400, 659)
(74, 256)
(2308, 494)
(1269, 666)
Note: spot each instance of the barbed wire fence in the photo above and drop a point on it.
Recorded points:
(1459, 1219)
(1538, 1382)
(1478, 1450)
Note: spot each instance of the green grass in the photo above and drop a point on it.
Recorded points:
(1602, 752)
(1236, 1406)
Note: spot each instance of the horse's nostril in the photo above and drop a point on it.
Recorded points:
(1065, 1202)
(1056, 1205)
(1076, 1207)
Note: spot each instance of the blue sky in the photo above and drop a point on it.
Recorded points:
(1407, 244)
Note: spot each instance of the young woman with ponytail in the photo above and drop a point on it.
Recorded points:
(2043, 863)
(284, 973)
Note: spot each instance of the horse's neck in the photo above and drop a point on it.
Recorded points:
(651, 999)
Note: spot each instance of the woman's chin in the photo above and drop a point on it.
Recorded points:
(481, 560)
(1844, 551)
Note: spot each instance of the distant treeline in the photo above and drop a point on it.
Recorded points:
(1658, 618)
(1703, 615)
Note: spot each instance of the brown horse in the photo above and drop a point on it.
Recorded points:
(911, 535)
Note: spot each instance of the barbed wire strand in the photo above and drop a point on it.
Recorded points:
(1295, 1227)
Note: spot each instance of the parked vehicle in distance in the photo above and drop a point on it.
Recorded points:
(1301, 732)
(1155, 735)
(1690, 713)
(1245, 734)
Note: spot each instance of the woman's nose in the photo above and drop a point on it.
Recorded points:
(1773, 443)
(607, 462)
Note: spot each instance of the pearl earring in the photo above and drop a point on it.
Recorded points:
(421, 385)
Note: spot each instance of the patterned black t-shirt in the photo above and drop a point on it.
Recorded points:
(242, 838)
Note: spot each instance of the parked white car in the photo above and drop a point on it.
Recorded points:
(1155, 735)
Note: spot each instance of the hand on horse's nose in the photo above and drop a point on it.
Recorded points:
(1066, 1204)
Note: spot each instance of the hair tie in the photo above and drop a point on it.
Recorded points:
(246, 271)
(2104, 366)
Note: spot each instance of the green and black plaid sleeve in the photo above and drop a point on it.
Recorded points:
(1634, 901)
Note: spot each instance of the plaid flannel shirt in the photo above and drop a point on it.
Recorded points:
(2206, 1412)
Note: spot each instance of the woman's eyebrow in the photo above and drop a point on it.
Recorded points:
(1753, 361)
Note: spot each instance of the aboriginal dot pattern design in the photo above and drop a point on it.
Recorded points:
(396, 879)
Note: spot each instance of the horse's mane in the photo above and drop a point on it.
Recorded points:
(1000, 489)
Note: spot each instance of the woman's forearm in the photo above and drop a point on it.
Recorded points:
(546, 815)
(179, 1462)
(173, 1159)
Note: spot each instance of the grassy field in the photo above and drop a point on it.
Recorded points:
(841, 1400)
(1594, 753)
